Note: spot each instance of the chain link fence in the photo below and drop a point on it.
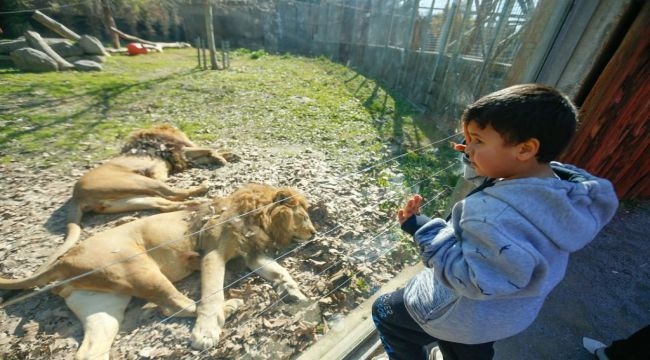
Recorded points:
(441, 54)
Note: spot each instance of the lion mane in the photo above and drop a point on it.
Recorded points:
(260, 216)
(164, 142)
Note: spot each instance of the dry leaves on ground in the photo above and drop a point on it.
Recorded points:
(339, 269)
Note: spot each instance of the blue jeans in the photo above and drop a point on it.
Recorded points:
(404, 339)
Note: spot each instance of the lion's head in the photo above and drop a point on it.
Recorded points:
(163, 141)
(260, 216)
(272, 216)
(287, 218)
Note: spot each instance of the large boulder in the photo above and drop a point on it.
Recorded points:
(66, 49)
(7, 46)
(35, 40)
(32, 60)
(6, 61)
(91, 45)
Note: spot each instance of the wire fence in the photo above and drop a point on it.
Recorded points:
(442, 54)
(393, 196)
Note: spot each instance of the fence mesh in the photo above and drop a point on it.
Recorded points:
(441, 54)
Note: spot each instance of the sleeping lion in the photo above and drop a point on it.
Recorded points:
(135, 180)
(142, 258)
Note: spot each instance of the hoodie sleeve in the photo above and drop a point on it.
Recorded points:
(481, 262)
(414, 223)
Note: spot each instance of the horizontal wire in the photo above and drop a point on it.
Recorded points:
(405, 154)
(379, 255)
(77, 277)
(45, 8)
(281, 298)
(363, 211)
(389, 227)
(88, 273)
(254, 271)
(62, 282)
(301, 245)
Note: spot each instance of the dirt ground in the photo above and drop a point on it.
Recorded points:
(343, 265)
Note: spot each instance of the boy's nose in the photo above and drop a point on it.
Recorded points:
(459, 147)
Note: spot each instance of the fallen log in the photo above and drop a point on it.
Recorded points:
(55, 26)
(157, 45)
(36, 41)
(132, 38)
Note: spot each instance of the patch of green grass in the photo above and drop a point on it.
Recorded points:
(434, 173)
(280, 100)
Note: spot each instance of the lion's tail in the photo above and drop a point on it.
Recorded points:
(74, 226)
(73, 233)
(45, 274)
(36, 280)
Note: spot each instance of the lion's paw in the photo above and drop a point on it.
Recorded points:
(205, 337)
(217, 158)
(231, 307)
(230, 157)
(187, 311)
(202, 189)
(294, 295)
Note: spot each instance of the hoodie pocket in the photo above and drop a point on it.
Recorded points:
(426, 297)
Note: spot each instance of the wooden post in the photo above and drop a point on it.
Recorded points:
(205, 62)
(198, 51)
(110, 23)
(612, 140)
(209, 29)
(55, 26)
(225, 56)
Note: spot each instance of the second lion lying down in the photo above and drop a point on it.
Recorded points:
(144, 257)
(135, 180)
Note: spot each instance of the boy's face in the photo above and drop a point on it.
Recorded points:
(489, 153)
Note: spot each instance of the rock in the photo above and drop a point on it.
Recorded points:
(87, 65)
(96, 58)
(35, 40)
(9, 46)
(32, 60)
(66, 49)
(91, 45)
(5, 61)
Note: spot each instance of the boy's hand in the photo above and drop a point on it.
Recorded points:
(412, 208)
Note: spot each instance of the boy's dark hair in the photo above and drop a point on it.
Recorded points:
(521, 112)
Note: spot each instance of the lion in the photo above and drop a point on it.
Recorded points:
(143, 258)
(135, 180)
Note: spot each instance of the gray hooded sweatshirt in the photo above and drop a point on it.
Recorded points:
(490, 267)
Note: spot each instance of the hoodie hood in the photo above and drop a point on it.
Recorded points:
(570, 210)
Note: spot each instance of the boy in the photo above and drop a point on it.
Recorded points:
(507, 244)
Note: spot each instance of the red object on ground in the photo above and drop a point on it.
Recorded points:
(136, 49)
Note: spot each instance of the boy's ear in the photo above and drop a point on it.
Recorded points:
(528, 149)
